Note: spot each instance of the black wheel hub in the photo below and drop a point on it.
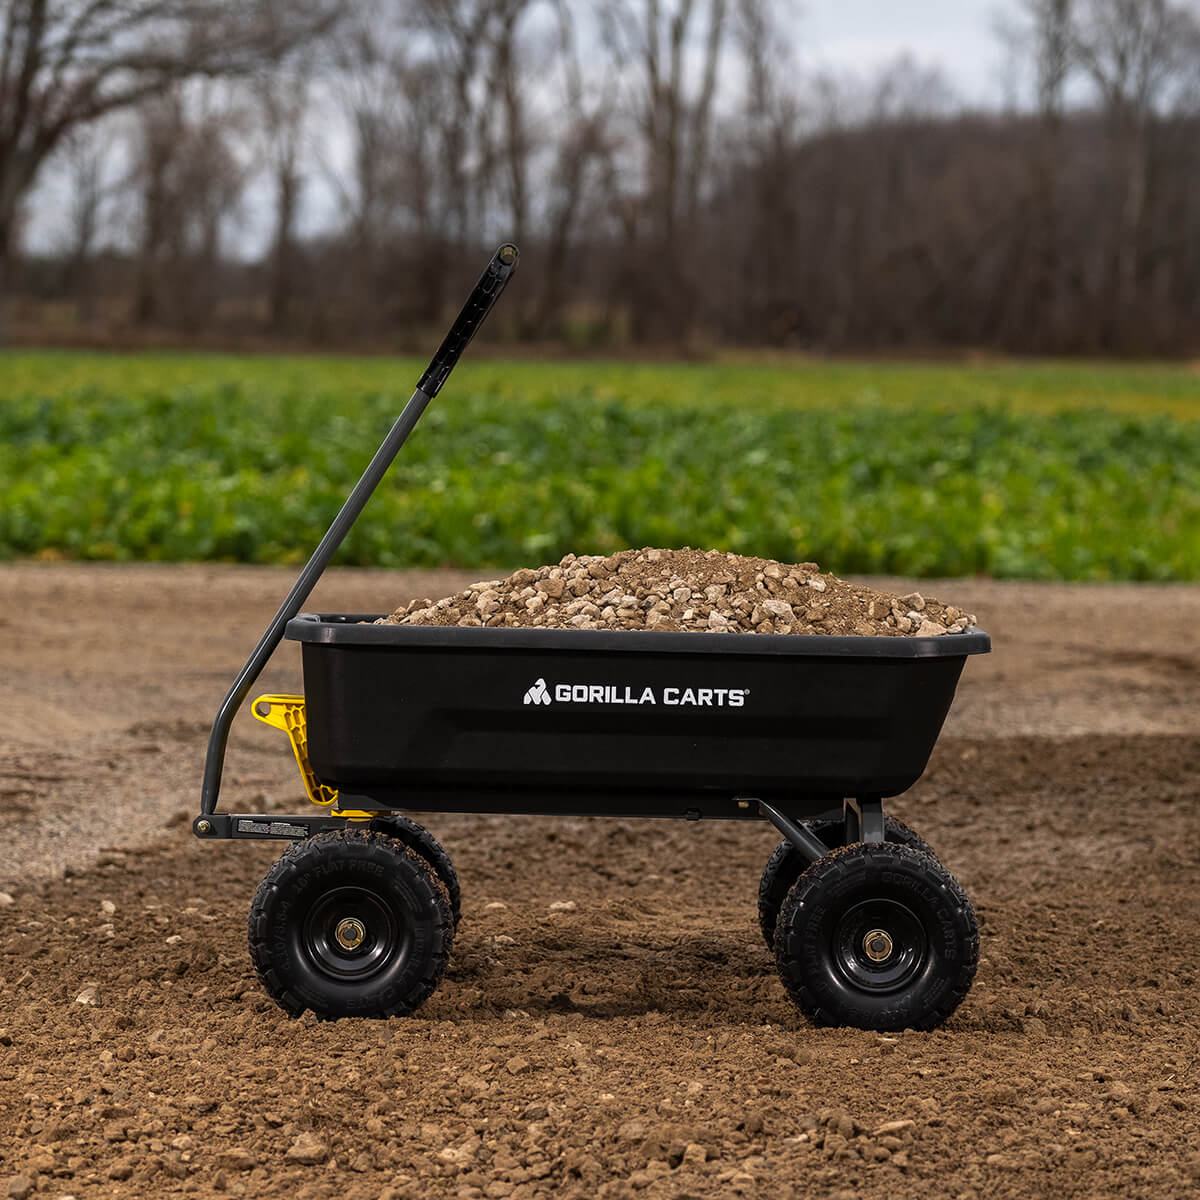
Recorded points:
(879, 945)
(351, 934)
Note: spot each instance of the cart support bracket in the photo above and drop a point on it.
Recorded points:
(810, 846)
(864, 820)
(287, 713)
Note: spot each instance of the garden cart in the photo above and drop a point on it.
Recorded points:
(811, 733)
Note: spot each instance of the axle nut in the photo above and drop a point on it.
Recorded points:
(350, 933)
(878, 945)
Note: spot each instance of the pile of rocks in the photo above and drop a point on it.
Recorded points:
(691, 590)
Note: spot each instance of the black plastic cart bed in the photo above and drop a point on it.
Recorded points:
(810, 732)
(625, 724)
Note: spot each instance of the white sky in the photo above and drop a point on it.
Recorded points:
(851, 38)
(861, 35)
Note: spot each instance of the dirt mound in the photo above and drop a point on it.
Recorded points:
(693, 590)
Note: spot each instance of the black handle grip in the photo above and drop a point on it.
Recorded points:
(466, 324)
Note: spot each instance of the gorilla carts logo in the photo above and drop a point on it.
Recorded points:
(609, 693)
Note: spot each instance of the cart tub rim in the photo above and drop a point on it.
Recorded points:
(358, 629)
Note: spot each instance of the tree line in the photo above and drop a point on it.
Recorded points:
(672, 175)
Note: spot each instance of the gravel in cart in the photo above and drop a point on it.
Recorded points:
(702, 591)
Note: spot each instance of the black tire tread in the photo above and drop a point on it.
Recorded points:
(900, 834)
(828, 867)
(417, 837)
(300, 856)
(782, 863)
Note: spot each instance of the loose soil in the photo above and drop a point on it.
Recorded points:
(611, 1024)
(689, 590)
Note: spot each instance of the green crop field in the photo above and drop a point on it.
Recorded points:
(1043, 470)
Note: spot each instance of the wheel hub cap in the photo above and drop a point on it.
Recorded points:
(350, 933)
(878, 945)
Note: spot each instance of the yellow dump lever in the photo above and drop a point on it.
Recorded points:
(287, 713)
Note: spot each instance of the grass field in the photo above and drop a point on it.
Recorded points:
(1044, 470)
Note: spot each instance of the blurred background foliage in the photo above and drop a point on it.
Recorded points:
(909, 470)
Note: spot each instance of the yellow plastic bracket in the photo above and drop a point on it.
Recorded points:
(287, 713)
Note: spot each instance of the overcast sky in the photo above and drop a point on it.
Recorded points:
(956, 35)
(846, 37)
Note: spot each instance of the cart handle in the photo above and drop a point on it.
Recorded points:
(479, 304)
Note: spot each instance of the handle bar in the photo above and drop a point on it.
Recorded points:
(480, 302)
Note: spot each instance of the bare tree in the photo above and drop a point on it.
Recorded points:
(209, 183)
(283, 101)
(160, 130)
(1039, 38)
(1051, 27)
(762, 142)
(460, 32)
(435, 98)
(396, 107)
(84, 159)
(188, 181)
(511, 148)
(65, 65)
(583, 148)
(1135, 52)
(672, 108)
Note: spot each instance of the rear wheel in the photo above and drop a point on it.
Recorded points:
(350, 923)
(786, 864)
(417, 837)
(877, 936)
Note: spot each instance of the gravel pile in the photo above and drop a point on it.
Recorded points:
(691, 590)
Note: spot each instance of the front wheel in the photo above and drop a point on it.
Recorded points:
(350, 923)
(877, 936)
(786, 864)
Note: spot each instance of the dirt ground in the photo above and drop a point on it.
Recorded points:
(641, 1044)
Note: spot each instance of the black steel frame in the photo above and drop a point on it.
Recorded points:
(480, 302)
